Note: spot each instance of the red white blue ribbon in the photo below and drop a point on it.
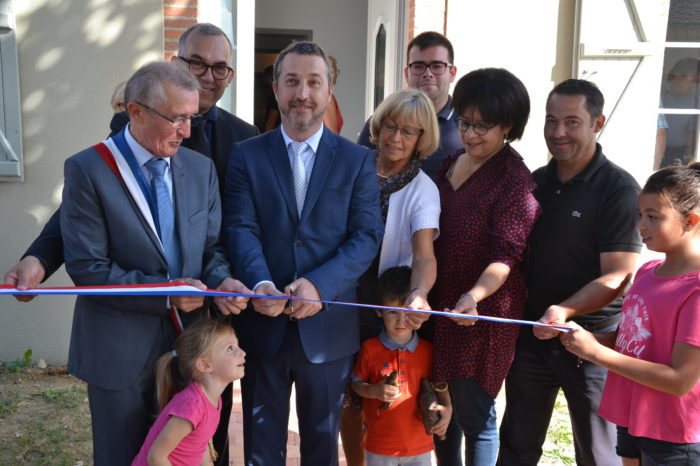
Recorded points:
(181, 289)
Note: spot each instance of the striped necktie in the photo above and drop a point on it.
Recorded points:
(299, 174)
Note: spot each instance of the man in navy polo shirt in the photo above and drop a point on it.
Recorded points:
(582, 251)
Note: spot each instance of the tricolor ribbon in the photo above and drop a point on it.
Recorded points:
(181, 289)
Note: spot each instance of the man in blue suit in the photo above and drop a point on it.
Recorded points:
(139, 209)
(301, 218)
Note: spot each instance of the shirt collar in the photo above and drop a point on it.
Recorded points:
(447, 112)
(313, 140)
(140, 153)
(392, 345)
(596, 162)
(210, 114)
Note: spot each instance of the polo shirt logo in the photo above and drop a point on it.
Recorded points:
(576, 213)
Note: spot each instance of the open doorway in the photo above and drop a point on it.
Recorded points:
(268, 43)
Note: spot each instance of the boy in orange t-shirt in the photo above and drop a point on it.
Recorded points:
(395, 435)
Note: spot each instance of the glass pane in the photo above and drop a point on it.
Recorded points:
(683, 21)
(677, 132)
(379, 58)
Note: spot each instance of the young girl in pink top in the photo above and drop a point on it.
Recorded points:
(652, 391)
(206, 359)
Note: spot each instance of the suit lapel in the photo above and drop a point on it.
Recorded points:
(322, 164)
(278, 159)
(222, 140)
(181, 196)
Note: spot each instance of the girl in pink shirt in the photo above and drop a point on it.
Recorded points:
(652, 391)
(206, 359)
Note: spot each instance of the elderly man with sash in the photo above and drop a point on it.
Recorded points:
(137, 209)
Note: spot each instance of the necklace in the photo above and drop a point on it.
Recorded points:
(384, 177)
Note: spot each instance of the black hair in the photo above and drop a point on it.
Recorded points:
(394, 285)
(594, 98)
(679, 186)
(498, 94)
(428, 39)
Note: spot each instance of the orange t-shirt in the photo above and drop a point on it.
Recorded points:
(398, 430)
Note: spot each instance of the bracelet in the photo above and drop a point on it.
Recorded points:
(416, 289)
(440, 387)
(471, 296)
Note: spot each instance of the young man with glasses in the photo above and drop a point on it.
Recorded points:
(431, 69)
(206, 51)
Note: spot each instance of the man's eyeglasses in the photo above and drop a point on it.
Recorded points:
(479, 128)
(436, 67)
(407, 133)
(198, 68)
(176, 123)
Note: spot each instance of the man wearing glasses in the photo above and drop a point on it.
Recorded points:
(206, 51)
(430, 69)
(139, 209)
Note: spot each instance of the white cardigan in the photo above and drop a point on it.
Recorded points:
(414, 207)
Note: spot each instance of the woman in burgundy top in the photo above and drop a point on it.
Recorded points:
(488, 210)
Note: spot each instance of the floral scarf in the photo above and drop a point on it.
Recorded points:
(396, 182)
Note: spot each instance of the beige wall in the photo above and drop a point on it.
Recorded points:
(71, 54)
(535, 41)
(340, 27)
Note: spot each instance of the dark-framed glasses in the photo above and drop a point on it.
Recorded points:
(407, 133)
(176, 123)
(478, 128)
(198, 68)
(436, 67)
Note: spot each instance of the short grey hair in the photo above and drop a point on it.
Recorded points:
(147, 84)
(303, 48)
(202, 29)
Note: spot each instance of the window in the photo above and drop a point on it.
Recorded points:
(679, 101)
(379, 65)
(10, 116)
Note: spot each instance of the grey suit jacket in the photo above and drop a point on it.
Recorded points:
(107, 241)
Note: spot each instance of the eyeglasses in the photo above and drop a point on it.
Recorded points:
(479, 128)
(407, 133)
(436, 67)
(199, 68)
(175, 123)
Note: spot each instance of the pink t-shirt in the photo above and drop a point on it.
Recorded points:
(191, 404)
(657, 312)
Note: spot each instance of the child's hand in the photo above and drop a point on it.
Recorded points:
(385, 392)
(578, 341)
(440, 428)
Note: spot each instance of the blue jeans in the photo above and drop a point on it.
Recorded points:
(476, 414)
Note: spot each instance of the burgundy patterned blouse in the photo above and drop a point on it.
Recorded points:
(487, 219)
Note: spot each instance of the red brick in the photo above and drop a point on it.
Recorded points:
(173, 33)
(179, 23)
(170, 44)
(187, 11)
(180, 3)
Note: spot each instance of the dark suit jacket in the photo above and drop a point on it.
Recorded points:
(332, 244)
(227, 130)
(107, 241)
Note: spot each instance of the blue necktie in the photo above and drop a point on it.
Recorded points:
(166, 217)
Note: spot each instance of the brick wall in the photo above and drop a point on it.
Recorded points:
(178, 15)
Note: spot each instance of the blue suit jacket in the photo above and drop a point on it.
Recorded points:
(332, 244)
(107, 241)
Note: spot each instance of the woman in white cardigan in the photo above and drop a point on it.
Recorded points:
(404, 129)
